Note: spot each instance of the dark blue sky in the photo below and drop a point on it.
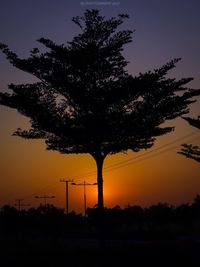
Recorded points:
(164, 30)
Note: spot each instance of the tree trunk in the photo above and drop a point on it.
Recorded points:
(100, 223)
(99, 162)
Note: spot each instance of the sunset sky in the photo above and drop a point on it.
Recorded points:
(164, 30)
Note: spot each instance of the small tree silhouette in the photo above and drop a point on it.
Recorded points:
(86, 102)
(189, 150)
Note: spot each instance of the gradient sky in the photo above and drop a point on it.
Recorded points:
(164, 30)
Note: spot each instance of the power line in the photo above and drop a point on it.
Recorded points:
(145, 158)
(132, 159)
(152, 151)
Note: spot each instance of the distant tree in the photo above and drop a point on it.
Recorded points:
(85, 101)
(9, 209)
(189, 150)
(161, 213)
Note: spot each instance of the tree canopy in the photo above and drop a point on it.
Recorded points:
(86, 101)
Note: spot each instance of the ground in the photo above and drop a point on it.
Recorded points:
(87, 253)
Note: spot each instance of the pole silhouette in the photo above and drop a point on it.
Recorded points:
(84, 184)
(19, 204)
(67, 193)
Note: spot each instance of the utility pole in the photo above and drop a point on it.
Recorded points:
(66, 181)
(84, 184)
(45, 197)
(19, 204)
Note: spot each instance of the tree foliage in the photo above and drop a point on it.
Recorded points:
(189, 150)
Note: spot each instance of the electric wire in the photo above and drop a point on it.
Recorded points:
(106, 169)
(133, 160)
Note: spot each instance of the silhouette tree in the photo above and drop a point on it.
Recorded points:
(85, 101)
(189, 150)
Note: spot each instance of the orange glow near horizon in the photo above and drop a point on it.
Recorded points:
(27, 169)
